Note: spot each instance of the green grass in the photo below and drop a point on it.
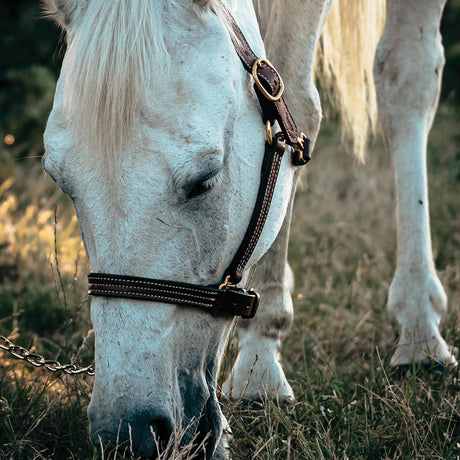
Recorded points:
(336, 356)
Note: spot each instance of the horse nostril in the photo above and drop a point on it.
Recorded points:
(147, 437)
(162, 429)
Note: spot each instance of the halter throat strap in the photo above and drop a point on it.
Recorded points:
(228, 297)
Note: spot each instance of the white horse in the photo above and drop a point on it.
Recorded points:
(156, 136)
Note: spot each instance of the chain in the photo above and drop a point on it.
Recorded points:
(39, 361)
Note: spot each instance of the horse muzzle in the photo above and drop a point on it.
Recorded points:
(196, 426)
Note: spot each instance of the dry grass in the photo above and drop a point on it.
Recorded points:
(336, 356)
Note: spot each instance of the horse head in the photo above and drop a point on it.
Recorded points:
(156, 136)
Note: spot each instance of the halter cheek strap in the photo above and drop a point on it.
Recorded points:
(228, 297)
(269, 87)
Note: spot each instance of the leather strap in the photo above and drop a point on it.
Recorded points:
(238, 302)
(268, 80)
(268, 177)
(228, 298)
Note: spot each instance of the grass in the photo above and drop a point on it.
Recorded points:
(336, 357)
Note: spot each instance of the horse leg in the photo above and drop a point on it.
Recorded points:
(408, 69)
(257, 371)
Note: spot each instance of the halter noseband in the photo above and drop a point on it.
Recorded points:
(228, 297)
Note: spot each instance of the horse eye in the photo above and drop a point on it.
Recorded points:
(201, 187)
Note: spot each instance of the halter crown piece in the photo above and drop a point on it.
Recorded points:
(228, 297)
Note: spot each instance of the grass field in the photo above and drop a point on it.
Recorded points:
(336, 357)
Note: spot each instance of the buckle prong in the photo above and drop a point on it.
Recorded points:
(268, 133)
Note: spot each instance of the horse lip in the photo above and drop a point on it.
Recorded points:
(118, 440)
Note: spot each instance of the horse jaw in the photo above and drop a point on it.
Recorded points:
(157, 364)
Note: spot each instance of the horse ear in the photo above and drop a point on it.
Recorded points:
(63, 11)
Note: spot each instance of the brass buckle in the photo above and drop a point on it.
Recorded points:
(299, 149)
(267, 95)
(301, 141)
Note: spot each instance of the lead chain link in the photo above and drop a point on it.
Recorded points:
(21, 353)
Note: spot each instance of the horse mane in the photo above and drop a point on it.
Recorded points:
(344, 59)
(115, 49)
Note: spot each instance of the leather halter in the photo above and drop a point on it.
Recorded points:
(228, 297)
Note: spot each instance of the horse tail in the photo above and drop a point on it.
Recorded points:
(344, 67)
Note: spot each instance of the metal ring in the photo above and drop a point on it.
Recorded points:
(258, 63)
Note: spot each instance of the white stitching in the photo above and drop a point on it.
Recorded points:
(263, 215)
(163, 292)
(151, 296)
(148, 283)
